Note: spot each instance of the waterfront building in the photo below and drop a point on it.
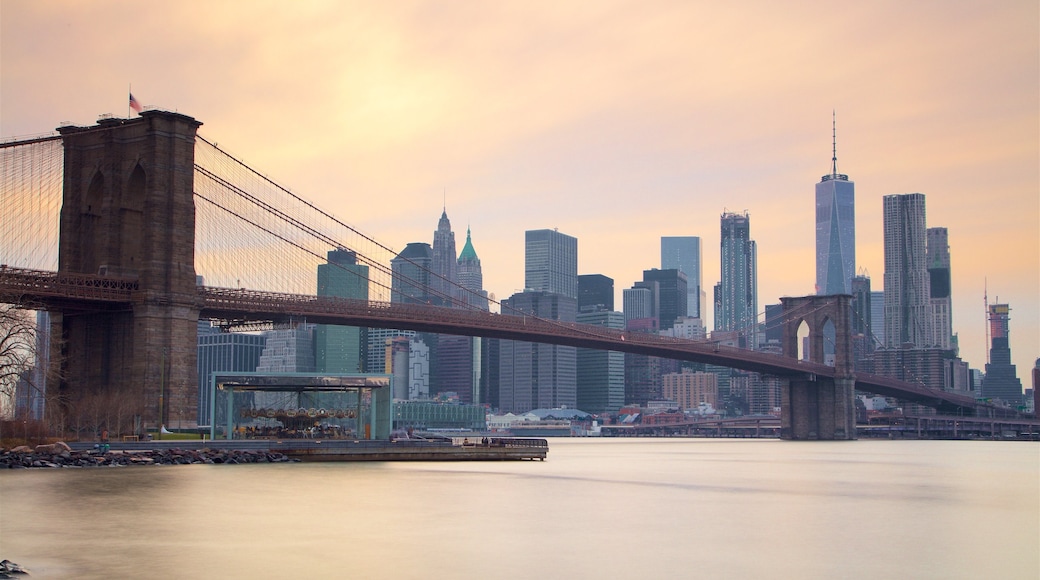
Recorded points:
(457, 366)
(399, 351)
(601, 373)
(538, 375)
(908, 317)
(595, 293)
(379, 340)
(835, 229)
(1001, 381)
(551, 262)
(642, 379)
(407, 358)
(288, 350)
(939, 287)
(341, 349)
(224, 352)
(683, 253)
(736, 294)
(471, 276)
(418, 369)
(436, 415)
(764, 394)
(690, 389)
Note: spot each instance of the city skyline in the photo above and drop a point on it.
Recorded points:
(618, 124)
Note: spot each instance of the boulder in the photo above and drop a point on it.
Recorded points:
(58, 448)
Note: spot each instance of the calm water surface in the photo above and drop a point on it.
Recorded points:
(641, 508)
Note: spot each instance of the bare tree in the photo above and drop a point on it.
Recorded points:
(17, 351)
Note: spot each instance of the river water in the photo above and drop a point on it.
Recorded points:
(596, 508)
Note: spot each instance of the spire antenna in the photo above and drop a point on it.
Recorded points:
(834, 143)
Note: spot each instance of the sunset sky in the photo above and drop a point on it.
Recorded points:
(615, 122)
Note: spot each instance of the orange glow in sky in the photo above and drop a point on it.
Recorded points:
(616, 122)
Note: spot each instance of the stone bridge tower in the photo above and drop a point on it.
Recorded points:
(128, 211)
(816, 407)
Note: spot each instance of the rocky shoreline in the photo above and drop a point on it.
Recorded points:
(60, 455)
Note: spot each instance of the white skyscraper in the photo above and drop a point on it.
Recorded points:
(908, 310)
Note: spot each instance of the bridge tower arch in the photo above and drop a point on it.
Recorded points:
(128, 211)
(815, 407)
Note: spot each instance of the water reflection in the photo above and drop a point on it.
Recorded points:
(648, 508)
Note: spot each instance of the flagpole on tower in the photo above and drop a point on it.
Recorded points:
(132, 103)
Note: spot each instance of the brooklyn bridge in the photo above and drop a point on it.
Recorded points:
(132, 230)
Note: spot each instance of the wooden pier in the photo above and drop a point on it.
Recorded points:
(459, 449)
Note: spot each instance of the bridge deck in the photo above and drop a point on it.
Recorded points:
(43, 289)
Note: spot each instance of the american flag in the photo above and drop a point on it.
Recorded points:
(134, 104)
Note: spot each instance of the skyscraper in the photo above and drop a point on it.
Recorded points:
(601, 373)
(224, 351)
(455, 360)
(532, 375)
(669, 291)
(471, 279)
(595, 293)
(1001, 381)
(289, 350)
(938, 255)
(444, 279)
(411, 274)
(683, 253)
(908, 317)
(638, 303)
(862, 331)
(736, 294)
(551, 262)
(471, 276)
(340, 349)
(835, 229)
(877, 319)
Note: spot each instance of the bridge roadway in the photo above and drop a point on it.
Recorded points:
(61, 291)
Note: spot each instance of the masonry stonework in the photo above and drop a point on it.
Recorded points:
(814, 407)
(128, 211)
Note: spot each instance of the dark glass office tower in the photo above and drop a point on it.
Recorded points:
(341, 349)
